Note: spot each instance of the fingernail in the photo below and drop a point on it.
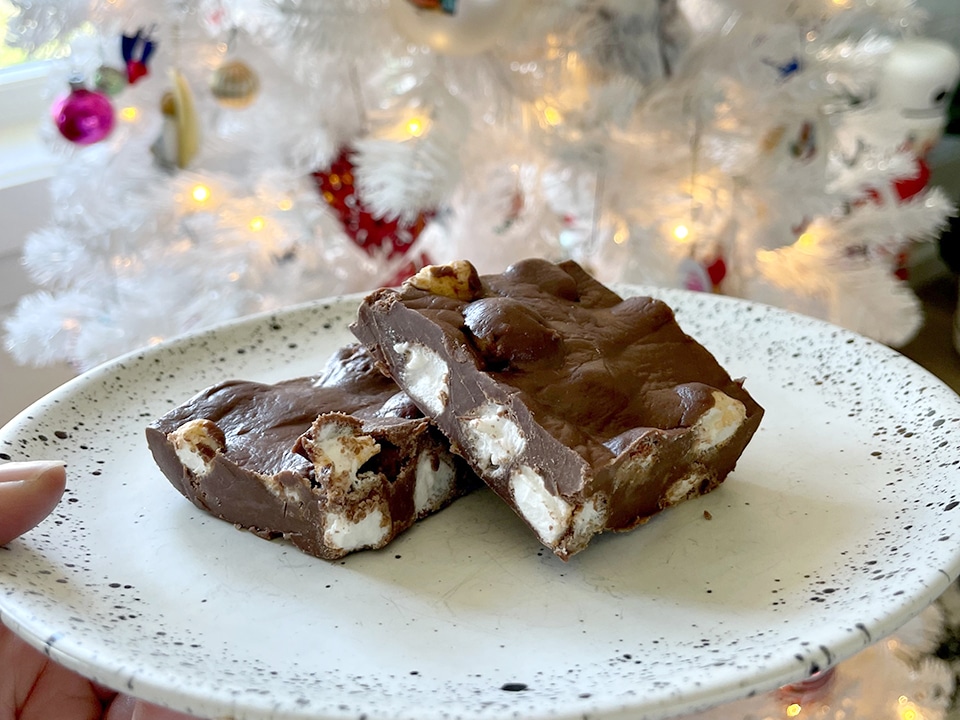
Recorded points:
(29, 470)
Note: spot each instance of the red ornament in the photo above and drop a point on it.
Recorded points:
(717, 270)
(702, 276)
(379, 237)
(904, 187)
(136, 50)
(908, 187)
(136, 69)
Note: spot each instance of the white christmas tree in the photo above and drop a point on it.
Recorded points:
(222, 157)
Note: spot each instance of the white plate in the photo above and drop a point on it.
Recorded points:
(838, 525)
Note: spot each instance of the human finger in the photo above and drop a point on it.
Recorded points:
(146, 711)
(32, 687)
(28, 493)
(125, 707)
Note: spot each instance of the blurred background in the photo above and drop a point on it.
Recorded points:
(168, 166)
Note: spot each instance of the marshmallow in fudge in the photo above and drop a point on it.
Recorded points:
(584, 411)
(335, 463)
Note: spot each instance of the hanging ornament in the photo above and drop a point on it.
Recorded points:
(641, 39)
(136, 50)
(702, 276)
(83, 116)
(179, 141)
(110, 80)
(389, 240)
(454, 27)
(234, 84)
(446, 6)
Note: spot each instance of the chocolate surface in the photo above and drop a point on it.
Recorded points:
(583, 410)
(258, 455)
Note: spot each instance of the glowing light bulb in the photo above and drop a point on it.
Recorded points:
(285, 204)
(910, 713)
(552, 115)
(200, 193)
(129, 113)
(793, 710)
(258, 223)
(620, 236)
(416, 126)
(681, 232)
(805, 240)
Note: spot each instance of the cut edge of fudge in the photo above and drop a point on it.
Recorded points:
(566, 485)
(330, 482)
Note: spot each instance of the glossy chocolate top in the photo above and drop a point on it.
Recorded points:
(262, 422)
(593, 368)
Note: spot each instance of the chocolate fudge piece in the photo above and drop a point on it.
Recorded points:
(339, 462)
(584, 411)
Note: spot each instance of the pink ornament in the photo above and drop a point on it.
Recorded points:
(84, 116)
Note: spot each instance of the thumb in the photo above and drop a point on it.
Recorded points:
(28, 493)
(146, 711)
(125, 707)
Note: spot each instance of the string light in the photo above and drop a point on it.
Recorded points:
(129, 113)
(910, 713)
(552, 116)
(200, 193)
(793, 709)
(257, 223)
(285, 204)
(681, 232)
(416, 126)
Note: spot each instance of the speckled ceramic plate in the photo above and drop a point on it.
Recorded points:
(838, 525)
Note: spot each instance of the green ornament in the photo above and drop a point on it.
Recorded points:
(110, 80)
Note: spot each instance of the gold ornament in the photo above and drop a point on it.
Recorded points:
(235, 84)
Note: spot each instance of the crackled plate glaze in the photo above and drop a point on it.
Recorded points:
(839, 524)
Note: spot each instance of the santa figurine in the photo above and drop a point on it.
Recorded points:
(903, 120)
(916, 85)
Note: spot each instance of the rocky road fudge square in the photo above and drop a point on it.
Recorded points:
(583, 410)
(335, 463)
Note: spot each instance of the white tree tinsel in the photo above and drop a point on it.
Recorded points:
(632, 136)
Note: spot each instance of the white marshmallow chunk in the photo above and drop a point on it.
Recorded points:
(426, 375)
(431, 485)
(547, 514)
(343, 450)
(368, 531)
(496, 440)
(720, 422)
